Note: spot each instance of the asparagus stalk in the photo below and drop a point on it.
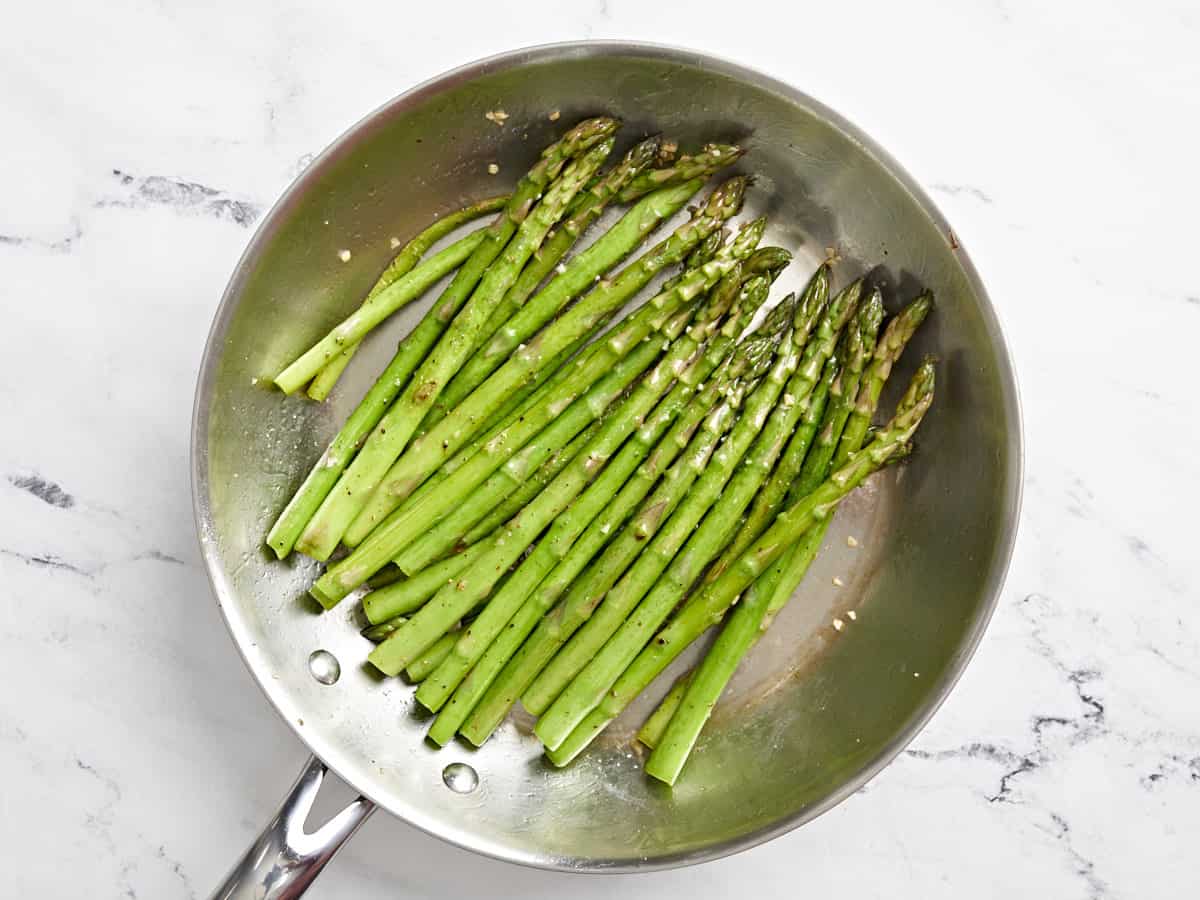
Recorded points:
(383, 630)
(539, 667)
(736, 489)
(769, 499)
(711, 602)
(410, 254)
(510, 324)
(488, 709)
(652, 730)
(570, 523)
(763, 600)
(580, 662)
(326, 471)
(766, 259)
(521, 531)
(771, 592)
(710, 159)
(493, 240)
(521, 400)
(846, 430)
(425, 664)
(410, 594)
(520, 469)
(425, 455)
(394, 430)
(515, 476)
(891, 344)
(393, 535)
(530, 488)
(454, 714)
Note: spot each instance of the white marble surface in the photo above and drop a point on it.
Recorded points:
(142, 141)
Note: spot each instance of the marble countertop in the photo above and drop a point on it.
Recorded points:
(142, 143)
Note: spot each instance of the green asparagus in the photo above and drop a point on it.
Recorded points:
(410, 254)
(656, 453)
(326, 471)
(425, 456)
(711, 603)
(492, 240)
(579, 660)
(521, 531)
(389, 538)
(662, 590)
(571, 522)
(652, 730)
(712, 158)
(394, 430)
(506, 329)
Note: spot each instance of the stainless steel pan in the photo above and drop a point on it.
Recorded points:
(819, 711)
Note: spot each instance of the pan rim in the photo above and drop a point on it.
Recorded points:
(533, 54)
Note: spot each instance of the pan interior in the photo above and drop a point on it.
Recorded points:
(817, 710)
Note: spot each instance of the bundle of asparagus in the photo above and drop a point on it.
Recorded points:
(549, 517)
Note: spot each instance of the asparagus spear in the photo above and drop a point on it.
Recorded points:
(766, 260)
(578, 662)
(652, 730)
(515, 476)
(410, 594)
(383, 630)
(385, 576)
(511, 324)
(394, 430)
(662, 590)
(521, 531)
(858, 345)
(711, 602)
(573, 520)
(494, 238)
(846, 431)
(424, 456)
(425, 664)
(763, 600)
(530, 488)
(391, 537)
(769, 499)
(775, 586)
(325, 474)
(710, 159)
(326, 471)
(409, 255)
(546, 673)
(521, 467)
(750, 362)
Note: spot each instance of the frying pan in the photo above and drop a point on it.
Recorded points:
(817, 711)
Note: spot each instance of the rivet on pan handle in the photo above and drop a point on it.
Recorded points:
(284, 860)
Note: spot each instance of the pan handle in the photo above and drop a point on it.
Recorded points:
(284, 860)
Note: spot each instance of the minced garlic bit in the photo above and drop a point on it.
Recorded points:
(493, 168)
(554, 116)
(851, 541)
(837, 582)
(916, 674)
(496, 115)
(560, 268)
(838, 624)
(344, 255)
(852, 614)
(395, 242)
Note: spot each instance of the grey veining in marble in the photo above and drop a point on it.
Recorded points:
(143, 142)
